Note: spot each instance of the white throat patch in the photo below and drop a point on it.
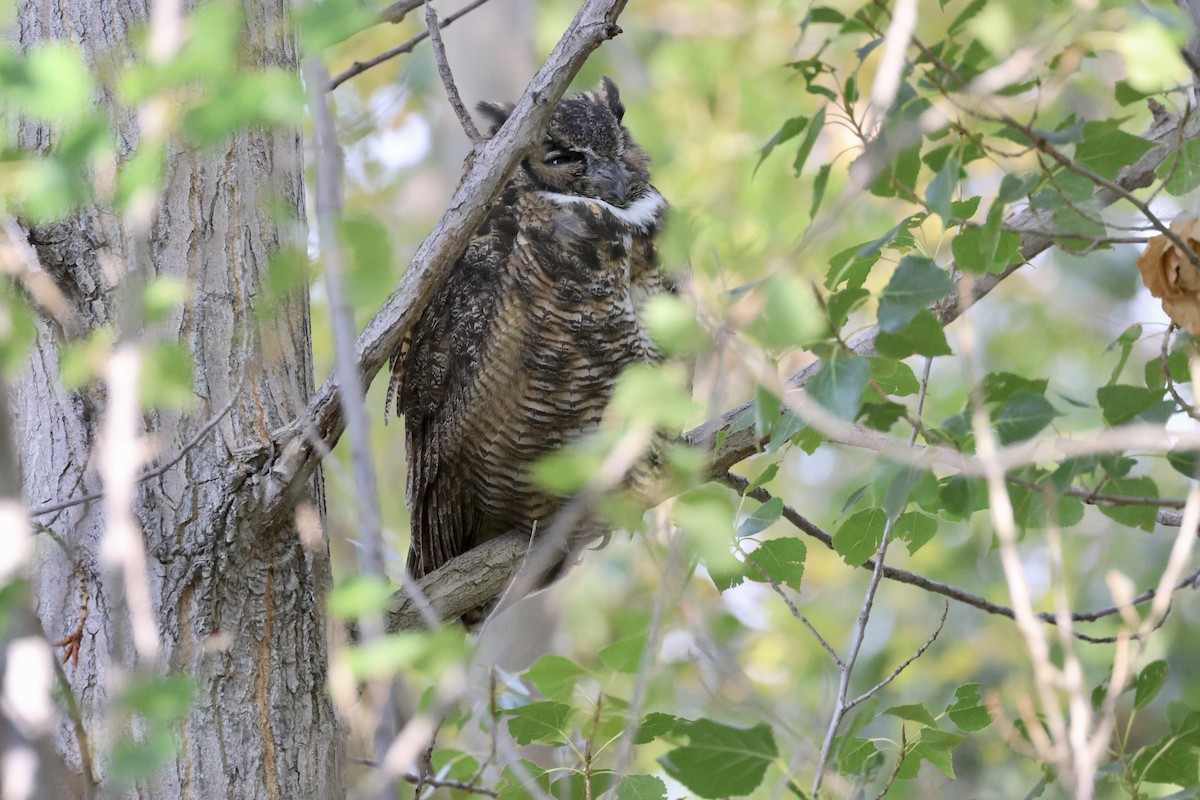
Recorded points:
(640, 214)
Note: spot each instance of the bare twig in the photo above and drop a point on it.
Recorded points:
(433, 27)
(801, 523)
(787, 601)
(359, 67)
(844, 702)
(428, 780)
(666, 587)
(895, 673)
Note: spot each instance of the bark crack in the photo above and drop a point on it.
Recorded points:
(262, 687)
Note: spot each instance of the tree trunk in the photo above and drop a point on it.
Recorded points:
(238, 600)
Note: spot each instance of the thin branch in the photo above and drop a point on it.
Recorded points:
(787, 601)
(359, 67)
(803, 524)
(874, 690)
(433, 28)
(843, 704)
(739, 444)
(426, 780)
(666, 586)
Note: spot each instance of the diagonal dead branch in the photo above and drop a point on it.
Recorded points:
(295, 456)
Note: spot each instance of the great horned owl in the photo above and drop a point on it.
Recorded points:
(518, 352)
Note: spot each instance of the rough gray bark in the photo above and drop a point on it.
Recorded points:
(238, 599)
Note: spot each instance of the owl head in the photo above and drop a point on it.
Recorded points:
(586, 150)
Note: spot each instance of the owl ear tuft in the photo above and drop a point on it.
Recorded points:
(495, 114)
(607, 91)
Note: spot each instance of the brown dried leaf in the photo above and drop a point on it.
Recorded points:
(1185, 311)
(1169, 274)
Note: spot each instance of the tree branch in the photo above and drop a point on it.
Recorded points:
(485, 571)
(295, 456)
(401, 8)
(1165, 133)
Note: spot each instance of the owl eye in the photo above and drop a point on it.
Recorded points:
(561, 158)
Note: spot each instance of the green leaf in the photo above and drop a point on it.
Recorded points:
(325, 23)
(1022, 416)
(541, 721)
(424, 653)
(894, 376)
(1128, 338)
(271, 98)
(923, 336)
(977, 250)
(810, 138)
(819, 14)
(706, 516)
(654, 394)
(161, 701)
(1000, 386)
(857, 539)
(720, 761)
(915, 530)
(881, 415)
(1143, 517)
(942, 187)
(838, 386)
(1181, 170)
(17, 333)
(554, 676)
(1104, 149)
(162, 295)
(1121, 403)
(966, 15)
(1149, 681)
(820, 181)
(966, 711)
(641, 787)
(166, 379)
(790, 130)
(781, 559)
(654, 725)
(454, 764)
(790, 316)
(960, 497)
(360, 595)
(936, 746)
(1184, 462)
(1170, 760)
(370, 245)
(913, 712)
(59, 87)
(672, 323)
(763, 517)
(625, 655)
(854, 753)
(764, 477)
(916, 283)
(512, 785)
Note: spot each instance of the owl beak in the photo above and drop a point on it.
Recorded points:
(614, 184)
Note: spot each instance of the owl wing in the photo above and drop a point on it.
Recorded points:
(455, 379)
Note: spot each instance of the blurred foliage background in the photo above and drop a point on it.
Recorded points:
(708, 83)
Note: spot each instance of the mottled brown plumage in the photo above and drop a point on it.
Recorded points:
(518, 352)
